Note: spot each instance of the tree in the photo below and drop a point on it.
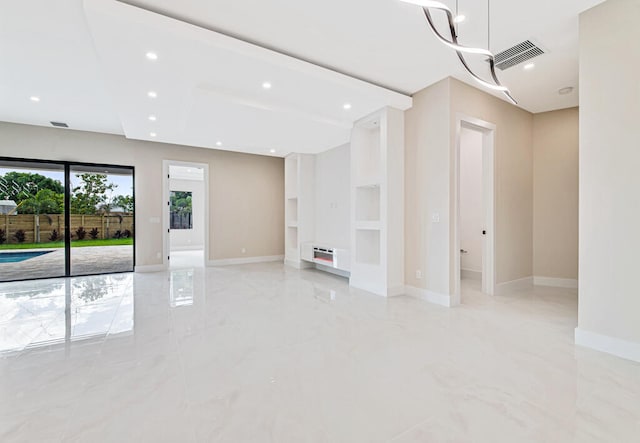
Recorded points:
(91, 193)
(124, 201)
(45, 201)
(181, 202)
(18, 186)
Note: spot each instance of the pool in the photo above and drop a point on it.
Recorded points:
(16, 257)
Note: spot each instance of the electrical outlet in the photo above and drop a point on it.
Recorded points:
(418, 274)
(243, 250)
(435, 218)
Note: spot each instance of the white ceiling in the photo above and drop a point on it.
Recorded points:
(88, 67)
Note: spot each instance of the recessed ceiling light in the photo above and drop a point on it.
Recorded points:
(34, 98)
(218, 143)
(347, 106)
(266, 85)
(566, 90)
(152, 134)
(529, 66)
(153, 118)
(273, 151)
(152, 56)
(152, 94)
(459, 18)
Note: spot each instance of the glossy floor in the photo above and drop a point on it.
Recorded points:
(261, 352)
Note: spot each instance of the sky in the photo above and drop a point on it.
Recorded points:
(124, 183)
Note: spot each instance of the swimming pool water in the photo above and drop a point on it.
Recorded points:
(15, 257)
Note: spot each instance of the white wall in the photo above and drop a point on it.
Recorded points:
(609, 210)
(332, 187)
(471, 199)
(185, 239)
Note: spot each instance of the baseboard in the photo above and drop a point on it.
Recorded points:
(610, 345)
(571, 283)
(472, 275)
(245, 260)
(430, 296)
(396, 291)
(520, 284)
(150, 268)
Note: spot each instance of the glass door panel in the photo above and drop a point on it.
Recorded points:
(101, 219)
(32, 222)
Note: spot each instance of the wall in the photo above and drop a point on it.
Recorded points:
(332, 192)
(513, 176)
(184, 239)
(609, 242)
(555, 194)
(245, 198)
(430, 141)
(471, 200)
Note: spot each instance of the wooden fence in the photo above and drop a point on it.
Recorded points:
(42, 226)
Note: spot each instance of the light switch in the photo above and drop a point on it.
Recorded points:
(435, 218)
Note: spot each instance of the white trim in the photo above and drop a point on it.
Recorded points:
(150, 268)
(166, 247)
(430, 296)
(187, 248)
(472, 275)
(244, 260)
(488, 195)
(611, 345)
(571, 283)
(521, 284)
(396, 291)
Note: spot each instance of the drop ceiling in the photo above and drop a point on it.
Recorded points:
(86, 62)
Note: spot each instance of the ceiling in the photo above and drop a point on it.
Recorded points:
(86, 62)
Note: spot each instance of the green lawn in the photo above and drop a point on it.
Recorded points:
(74, 244)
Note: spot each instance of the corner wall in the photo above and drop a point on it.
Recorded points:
(609, 303)
(245, 198)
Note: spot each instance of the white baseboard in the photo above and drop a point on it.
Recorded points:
(396, 291)
(150, 268)
(472, 275)
(610, 345)
(514, 285)
(571, 283)
(430, 296)
(245, 260)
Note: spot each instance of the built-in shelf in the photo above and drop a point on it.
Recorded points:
(299, 204)
(367, 203)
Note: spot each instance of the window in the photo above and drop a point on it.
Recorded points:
(181, 215)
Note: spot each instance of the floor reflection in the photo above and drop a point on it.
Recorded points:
(181, 288)
(48, 312)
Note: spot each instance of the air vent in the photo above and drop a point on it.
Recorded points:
(59, 124)
(517, 54)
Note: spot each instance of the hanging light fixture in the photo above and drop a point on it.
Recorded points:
(427, 7)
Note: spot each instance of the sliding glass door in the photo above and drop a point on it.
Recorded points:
(101, 219)
(61, 219)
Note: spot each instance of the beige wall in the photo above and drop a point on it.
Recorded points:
(245, 199)
(430, 150)
(555, 194)
(513, 176)
(609, 300)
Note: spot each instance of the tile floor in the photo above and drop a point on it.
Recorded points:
(261, 353)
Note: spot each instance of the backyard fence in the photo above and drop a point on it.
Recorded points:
(39, 228)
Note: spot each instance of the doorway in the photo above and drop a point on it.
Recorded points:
(474, 231)
(62, 219)
(186, 218)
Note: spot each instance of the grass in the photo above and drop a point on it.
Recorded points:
(74, 244)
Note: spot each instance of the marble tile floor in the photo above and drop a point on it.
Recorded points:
(264, 353)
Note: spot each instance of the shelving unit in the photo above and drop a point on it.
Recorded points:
(377, 196)
(299, 170)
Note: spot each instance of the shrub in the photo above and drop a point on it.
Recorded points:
(117, 234)
(3, 236)
(19, 235)
(126, 233)
(81, 233)
(94, 233)
(54, 236)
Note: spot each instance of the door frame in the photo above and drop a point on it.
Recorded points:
(166, 246)
(67, 165)
(488, 131)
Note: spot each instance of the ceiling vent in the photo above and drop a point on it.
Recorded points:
(517, 54)
(59, 124)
